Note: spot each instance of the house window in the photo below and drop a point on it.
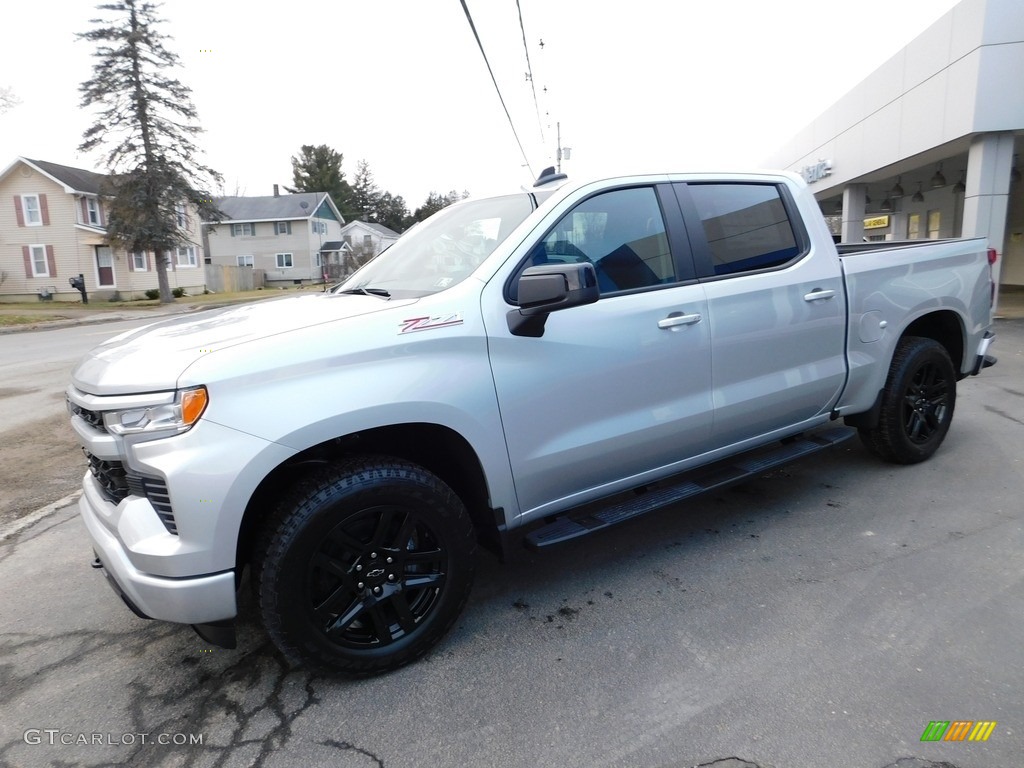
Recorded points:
(367, 241)
(179, 215)
(30, 208)
(348, 239)
(318, 259)
(934, 224)
(92, 208)
(244, 261)
(139, 261)
(186, 257)
(284, 261)
(38, 255)
(282, 227)
(245, 230)
(319, 228)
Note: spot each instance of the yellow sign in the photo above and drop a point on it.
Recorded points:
(878, 222)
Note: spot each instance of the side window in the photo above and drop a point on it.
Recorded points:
(746, 226)
(622, 233)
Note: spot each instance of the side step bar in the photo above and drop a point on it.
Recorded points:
(597, 516)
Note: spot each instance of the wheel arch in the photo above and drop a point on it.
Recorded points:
(944, 326)
(438, 449)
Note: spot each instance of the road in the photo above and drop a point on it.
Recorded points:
(40, 460)
(823, 615)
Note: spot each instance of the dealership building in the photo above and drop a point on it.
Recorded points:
(930, 144)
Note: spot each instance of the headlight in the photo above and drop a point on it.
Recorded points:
(174, 418)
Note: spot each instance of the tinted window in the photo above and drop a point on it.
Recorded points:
(746, 226)
(622, 233)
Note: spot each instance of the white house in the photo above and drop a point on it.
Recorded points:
(284, 235)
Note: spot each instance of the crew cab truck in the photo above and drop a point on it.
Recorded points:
(531, 367)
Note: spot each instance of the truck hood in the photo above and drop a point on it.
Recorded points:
(151, 358)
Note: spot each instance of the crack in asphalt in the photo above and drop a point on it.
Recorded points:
(344, 745)
(1004, 414)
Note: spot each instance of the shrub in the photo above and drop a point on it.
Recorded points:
(178, 293)
(153, 293)
(115, 297)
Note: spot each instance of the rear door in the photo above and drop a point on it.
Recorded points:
(775, 304)
(613, 390)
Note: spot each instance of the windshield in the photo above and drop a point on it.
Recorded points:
(441, 251)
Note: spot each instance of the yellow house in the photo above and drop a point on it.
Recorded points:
(53, 229)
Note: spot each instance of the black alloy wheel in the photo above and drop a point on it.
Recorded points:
(364, 566)
(917, 403)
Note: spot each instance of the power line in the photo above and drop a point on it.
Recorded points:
(529, 72)
(494, 80)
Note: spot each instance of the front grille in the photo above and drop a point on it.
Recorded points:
(92, 418)
(111, 476)
(116, 484)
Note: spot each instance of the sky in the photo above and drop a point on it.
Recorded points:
(644, 85)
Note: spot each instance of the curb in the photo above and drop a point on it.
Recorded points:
(13, 529)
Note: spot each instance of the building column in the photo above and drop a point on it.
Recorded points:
(853, 213)
(988, 191)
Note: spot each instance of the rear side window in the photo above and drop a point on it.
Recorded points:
(746, 226)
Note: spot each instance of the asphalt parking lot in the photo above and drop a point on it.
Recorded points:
(822, 615)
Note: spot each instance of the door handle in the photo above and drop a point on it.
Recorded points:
(678, 318)
(819, 295)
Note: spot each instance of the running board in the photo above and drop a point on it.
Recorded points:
(597, 516)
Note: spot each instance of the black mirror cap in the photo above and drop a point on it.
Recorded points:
(551, 287)
(548, 288)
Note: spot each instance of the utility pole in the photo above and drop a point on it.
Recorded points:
(558, 156)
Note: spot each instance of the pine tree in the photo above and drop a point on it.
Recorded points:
(147, 123)
(365, 195)
(318, 169)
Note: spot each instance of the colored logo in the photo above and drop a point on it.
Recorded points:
(958, 730)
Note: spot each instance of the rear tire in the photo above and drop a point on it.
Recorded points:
(917, 403)
(364, 566)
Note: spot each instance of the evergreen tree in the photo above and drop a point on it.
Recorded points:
(147, 123)
(318, 169)
(392, 212)
(365, 195)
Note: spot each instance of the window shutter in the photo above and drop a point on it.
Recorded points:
(149, 263)
(99, 213)
(288, 224)
(44, 212)
(232, 228)
(50, 261)
(18, 212)
(131, 261)
(27, 256)
(85, 211)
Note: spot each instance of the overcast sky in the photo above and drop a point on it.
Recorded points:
(669, 85)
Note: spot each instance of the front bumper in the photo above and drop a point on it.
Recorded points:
(190, 600)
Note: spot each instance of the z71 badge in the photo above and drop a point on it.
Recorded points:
(414, 324)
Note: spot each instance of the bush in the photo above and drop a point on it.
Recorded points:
(115, 297)
(153, 293)
(178, 293)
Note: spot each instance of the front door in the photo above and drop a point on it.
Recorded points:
(104, 267)
(615, 392)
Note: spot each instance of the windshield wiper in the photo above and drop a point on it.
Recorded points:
(368, 292)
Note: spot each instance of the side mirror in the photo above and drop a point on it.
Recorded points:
(548, 288)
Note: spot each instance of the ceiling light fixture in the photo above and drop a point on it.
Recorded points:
(897, 191)
(959, 188)
(938, 180)
(918, 196)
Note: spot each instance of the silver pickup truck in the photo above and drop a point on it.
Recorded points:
(526, 368)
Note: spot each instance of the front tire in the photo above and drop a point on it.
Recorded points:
(917, 403)
(364, 566)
